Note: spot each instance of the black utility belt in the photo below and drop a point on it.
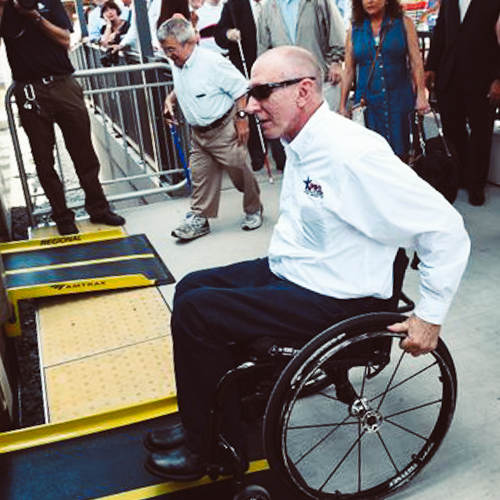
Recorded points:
(214, 124)
(46, 80)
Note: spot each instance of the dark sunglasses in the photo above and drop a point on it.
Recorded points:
(261, 92)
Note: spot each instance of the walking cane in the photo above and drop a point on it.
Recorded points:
(180, 152)
(259, 129)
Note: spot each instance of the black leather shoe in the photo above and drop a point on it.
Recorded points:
(477, 197)
(66, 227)
(165, 439)
(179, 464)
(109, 218)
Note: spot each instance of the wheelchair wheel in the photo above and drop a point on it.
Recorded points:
(375, 443)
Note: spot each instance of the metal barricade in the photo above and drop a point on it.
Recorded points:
(126, 107)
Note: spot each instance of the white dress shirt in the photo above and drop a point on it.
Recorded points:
(347, 203)
(256, 6)
(208, 16)
(207, 86)
(130, 38)
(464, 6)
(95, 24)
(290, 12)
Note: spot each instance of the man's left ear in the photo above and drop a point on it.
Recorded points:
(306, 87)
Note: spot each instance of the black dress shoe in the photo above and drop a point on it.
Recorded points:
(66, 227)
(477, 197)
(109, 218)
(179, 464)
(165, 439)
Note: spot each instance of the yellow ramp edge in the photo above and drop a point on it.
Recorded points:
(30, 437)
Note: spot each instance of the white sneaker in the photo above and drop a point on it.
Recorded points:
(193, 226)
(252, 221)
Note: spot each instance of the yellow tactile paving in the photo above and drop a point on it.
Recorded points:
(119, 378)
(80, 326)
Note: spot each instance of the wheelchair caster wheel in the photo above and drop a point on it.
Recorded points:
(253, 492)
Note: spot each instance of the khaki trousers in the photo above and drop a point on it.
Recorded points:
(213, 153)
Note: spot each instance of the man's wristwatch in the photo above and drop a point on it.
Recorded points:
(241, 113)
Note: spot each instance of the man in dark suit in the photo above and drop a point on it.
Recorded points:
(463, 67)
(238, 24)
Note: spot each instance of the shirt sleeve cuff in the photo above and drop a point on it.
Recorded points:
(434, 313)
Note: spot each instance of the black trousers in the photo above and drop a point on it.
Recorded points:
(459, 107)
(237, 304)
(255, 146)
(61, 101)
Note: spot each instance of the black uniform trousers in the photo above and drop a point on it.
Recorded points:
(460, 106)
(60, 100)
(255, 149)
(216, 308)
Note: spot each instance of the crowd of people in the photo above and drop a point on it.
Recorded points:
(375, 63)
(348, 199)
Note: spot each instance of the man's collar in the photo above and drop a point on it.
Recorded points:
(191, 58)
(302, 139)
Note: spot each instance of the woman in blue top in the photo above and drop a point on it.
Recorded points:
(393, 86)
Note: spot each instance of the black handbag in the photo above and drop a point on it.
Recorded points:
(435, 160)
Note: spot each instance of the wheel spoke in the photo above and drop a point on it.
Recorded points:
(406, 429)
(384, 393)
(344, 458)
(415, 408)
(388, 452)
(319, 426)
(323, 439)
(328, 396)
(399, 384)
(359, 457)
(365, 372)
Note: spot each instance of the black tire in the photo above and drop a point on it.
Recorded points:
(252, 492)
(372, 447)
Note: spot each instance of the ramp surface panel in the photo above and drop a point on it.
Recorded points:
(104, 351)
(110, 466)
(124, 377)
(121, 256)
(91, 262)
(74, 327)
(54, 256)
(149, 267)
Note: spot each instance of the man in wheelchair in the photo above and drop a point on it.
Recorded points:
(347, 204)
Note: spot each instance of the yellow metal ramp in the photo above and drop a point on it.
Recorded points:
(85, 262)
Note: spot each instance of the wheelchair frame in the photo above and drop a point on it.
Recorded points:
(376, 401)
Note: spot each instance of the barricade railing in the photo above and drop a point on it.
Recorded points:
(127, 101)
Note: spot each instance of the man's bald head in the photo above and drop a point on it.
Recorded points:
(285, 91)
(291, 62)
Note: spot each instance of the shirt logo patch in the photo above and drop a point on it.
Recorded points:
(313, 189)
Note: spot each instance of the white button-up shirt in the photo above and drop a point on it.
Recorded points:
(464, 7)
(207, 86)
(130, 38)
(347, 204)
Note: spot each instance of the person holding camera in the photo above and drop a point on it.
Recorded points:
(37, 39)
